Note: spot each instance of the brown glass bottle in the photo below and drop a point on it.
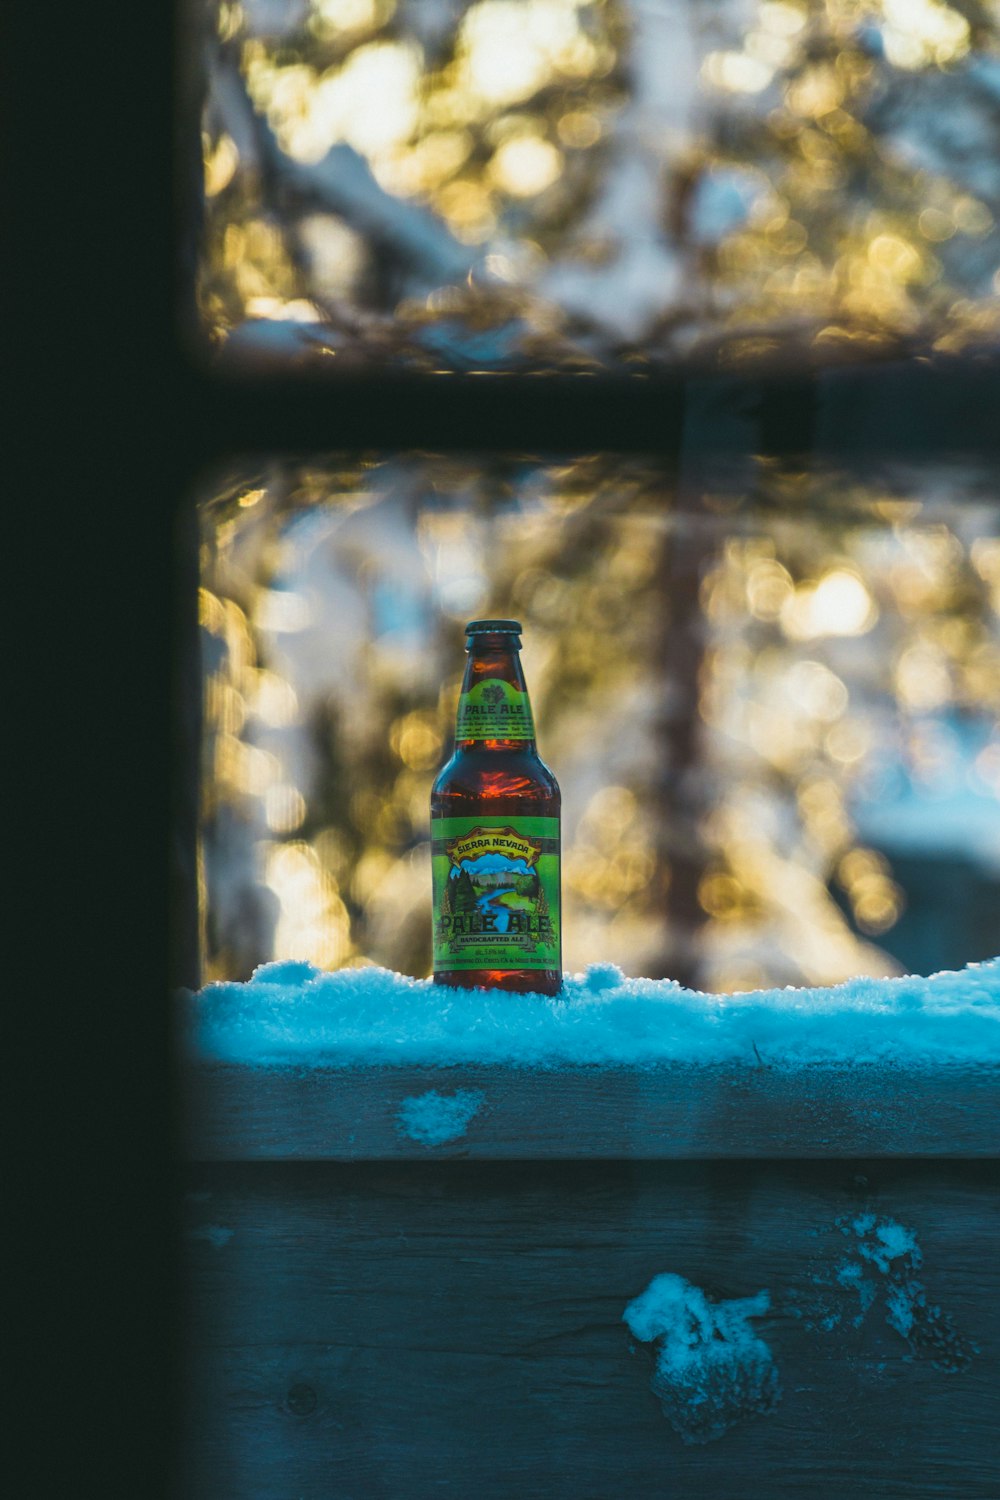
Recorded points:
(495, 832)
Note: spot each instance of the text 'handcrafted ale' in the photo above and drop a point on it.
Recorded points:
(495, 832)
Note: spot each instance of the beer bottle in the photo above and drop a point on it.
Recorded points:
(495, 832)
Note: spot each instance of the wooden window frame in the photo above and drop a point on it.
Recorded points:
(123, 415)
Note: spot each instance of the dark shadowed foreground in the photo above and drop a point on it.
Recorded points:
(389, 1328)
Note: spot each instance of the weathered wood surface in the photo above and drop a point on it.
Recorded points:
(399, 1331)
(238, 1113)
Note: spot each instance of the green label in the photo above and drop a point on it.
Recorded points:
(496, 893)
(494, 710)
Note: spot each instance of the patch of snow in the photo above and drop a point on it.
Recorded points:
(891, 1257)
(883, 1241)
(434, 1118)
(711, 1367)
(292, 1013)
(899, 1310)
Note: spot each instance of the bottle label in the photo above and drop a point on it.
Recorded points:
(494, 710)
(496, 893)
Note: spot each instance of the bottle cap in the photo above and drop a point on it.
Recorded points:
(488, 627)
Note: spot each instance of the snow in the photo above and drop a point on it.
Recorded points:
(894, 1252)
(434, 1118)
(885, 1280)
(899, 1311)
(291, 1013)
(711, 1367)
(883, 1241)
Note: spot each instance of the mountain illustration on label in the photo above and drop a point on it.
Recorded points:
(492, 849)
(493, 874)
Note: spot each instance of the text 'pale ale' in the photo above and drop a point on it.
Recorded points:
(495, 832)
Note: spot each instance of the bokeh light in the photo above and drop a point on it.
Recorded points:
(592, 181)
(776, 732)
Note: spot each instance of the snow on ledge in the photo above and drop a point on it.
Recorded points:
(293, 1014)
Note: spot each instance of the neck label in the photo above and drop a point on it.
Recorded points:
(496, 893)
(494, 710)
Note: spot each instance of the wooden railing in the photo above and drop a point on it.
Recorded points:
(410, 1282)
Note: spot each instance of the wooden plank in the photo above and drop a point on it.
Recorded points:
(678, 1112)
(398, 1331)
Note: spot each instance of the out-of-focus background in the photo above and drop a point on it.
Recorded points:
(584, 184)
(772, 710)
(769, 692)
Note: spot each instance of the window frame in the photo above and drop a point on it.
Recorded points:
(121, 417)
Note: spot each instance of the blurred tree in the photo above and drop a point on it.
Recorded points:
(733, 672)
(546, 183)
(730, 695)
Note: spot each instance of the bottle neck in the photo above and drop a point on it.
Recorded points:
(494, 711)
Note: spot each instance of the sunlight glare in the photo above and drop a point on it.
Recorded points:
(525, 166)
(509, 49)
(839, 604)
(737, 73)
(918, 33)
